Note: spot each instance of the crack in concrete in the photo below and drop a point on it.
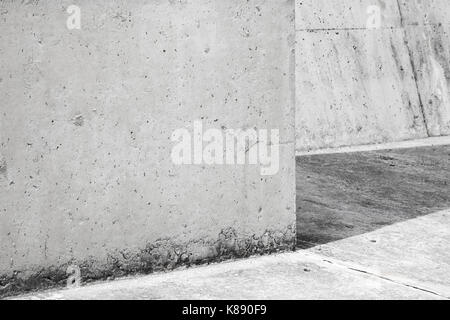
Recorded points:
(361, 269)
(397, 282)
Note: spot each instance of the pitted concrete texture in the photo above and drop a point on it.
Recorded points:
(414, 252)
(343, 14)
(427, 31)
(359, 85)
(424, 12)
(378, 265)
(86, 120)
(355, 87)
(430, 52)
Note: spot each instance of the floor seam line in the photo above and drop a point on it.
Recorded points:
(361, 269)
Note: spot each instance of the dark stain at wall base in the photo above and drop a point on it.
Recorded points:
(161, 255)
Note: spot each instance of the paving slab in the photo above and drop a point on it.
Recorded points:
(297, 275)
(414, 253)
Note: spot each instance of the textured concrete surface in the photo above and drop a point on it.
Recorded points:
(353, 268)
(343, 14)
(424, 12)
(371, 226)
(429, 47)
(414, 252)
(385, 205)
(359, 85)
(427, 33)
(86, 118)
(346, 194)
(355, 87)
(85, 124)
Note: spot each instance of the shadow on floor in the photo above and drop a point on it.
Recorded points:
(343, 195)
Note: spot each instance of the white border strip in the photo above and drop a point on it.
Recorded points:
(427, 142)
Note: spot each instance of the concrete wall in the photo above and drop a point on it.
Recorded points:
(86, 120)
(427, 28)
(362, 85)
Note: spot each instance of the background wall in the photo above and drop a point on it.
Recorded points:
(360, 85)
(85, 124)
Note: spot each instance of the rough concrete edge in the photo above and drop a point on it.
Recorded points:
(162, 255)
(404, 144)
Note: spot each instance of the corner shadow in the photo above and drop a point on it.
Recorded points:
(347, 194)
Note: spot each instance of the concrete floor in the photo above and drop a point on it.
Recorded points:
(345, 194)
(371, 225)
(406, 260)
